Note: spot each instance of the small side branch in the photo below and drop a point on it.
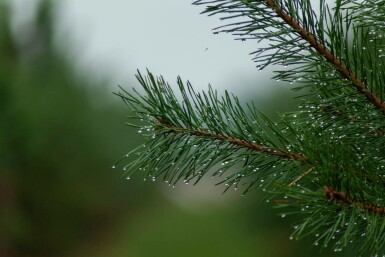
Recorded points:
(301, 176)
(336, 196)
(326, 53)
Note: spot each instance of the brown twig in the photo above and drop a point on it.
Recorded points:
(243, 144)
(333, 195)
(327, 54)
(301, 176)
(231, 140)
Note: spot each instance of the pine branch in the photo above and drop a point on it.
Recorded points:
(207, 130)
(327, 54)
(326, 160)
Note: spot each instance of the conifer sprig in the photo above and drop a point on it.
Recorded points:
(325, 161)
(190, 136)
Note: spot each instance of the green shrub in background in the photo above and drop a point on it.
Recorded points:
(57, 190)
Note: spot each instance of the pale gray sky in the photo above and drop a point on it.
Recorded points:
(169, 37)
(113, 38)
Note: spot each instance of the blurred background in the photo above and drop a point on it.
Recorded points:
(61, 129)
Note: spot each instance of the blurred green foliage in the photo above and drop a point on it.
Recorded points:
(58, 193)
(56, 148)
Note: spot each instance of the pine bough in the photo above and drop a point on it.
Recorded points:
(325, 162)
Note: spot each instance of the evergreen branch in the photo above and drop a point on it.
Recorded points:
(326, 53)
(335, 196)
(200, 131)
(292, 26)
(331, 149)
